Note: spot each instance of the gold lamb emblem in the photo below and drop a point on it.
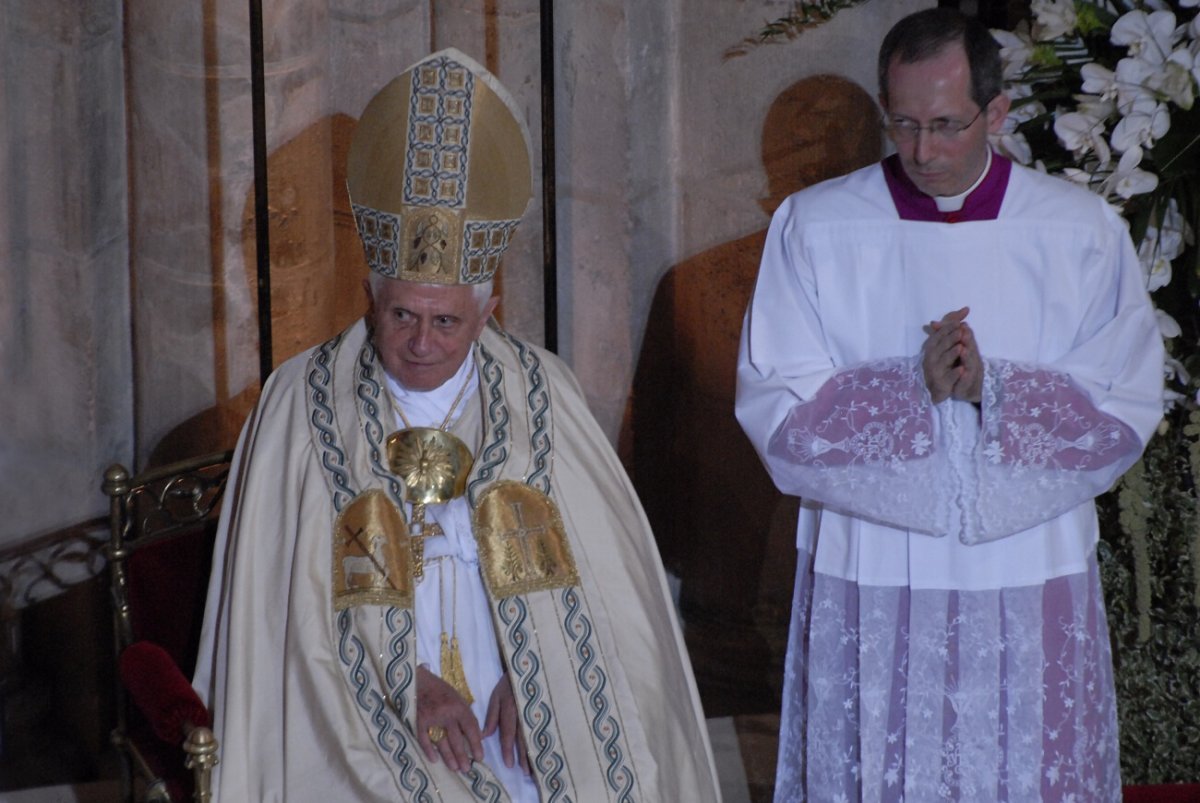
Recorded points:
(522, 542)
(371, 562)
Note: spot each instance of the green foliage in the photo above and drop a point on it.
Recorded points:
(804, 16)
(1148, 560)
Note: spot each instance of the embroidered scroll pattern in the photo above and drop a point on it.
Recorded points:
(538, 400)
(535, 712)
(392, 740)
(369, 392)
(494, 453)
(482, 788)
(594, 680)
(333, 459)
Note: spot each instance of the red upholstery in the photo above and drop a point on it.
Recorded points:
(160, 691)
(167, 586)
(1163, 793)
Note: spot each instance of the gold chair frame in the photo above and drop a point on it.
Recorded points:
(149, 508)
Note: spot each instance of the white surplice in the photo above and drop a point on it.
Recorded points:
(948, 639)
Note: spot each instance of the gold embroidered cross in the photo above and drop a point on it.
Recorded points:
(521, 535)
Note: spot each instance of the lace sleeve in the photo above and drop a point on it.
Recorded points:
(865, 443)
(1043, 442)
(871, 443)
(870, 415)
(1037, 419)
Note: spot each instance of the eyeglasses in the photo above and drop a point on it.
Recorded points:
(903, 131)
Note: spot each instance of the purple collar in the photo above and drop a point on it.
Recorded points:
(982, 204)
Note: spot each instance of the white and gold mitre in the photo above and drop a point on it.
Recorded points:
(439, 173)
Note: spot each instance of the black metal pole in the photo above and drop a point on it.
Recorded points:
(549, 235)
(262, 234)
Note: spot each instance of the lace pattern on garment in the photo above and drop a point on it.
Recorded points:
(866, 443)
(908, 696)
(1044, 443)
(871, 442)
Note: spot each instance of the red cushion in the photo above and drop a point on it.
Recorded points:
(1163, 793)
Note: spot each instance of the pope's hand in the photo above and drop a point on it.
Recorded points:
(440, 706)
(951, 362)
(502, 716)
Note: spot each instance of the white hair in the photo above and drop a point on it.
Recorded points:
(481, 292)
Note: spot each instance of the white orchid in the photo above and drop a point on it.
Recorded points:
(1008, 140)
(1168, 327)
(1052, 19)
(1149, 37)
(1133, 80)
(1161, 246)
(1016, 50)
(1128, 179)
(1014, 145)
(1178, 78)
(1082, 134)
(1099, 80)
(1144, 123)
(1173, 369)
(1113, 121)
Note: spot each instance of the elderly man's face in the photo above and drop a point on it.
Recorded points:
(424, 331)
(938, 90)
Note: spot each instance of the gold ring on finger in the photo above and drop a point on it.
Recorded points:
(436, 733)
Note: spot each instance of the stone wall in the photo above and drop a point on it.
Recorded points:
(66, 394)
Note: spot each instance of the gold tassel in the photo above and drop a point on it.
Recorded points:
(452, 667)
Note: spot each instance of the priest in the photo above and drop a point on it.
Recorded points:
(432, 579)
(948, 356)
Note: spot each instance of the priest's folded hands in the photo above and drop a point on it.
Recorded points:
(951, 362)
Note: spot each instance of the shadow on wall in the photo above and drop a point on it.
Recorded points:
(317, 270)
(720, 524)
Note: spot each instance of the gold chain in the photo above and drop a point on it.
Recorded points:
(449, 413)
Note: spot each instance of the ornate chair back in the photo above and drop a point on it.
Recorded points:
(162, 525)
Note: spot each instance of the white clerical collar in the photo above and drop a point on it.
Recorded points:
(953, 203)
(428, 408)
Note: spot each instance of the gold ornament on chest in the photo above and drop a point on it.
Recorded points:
(433, 465)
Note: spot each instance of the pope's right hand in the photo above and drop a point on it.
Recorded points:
(440, 706)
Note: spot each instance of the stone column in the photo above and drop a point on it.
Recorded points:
(594, 135)
(64, 291)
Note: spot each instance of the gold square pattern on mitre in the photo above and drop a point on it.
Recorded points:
(371, 556)
(522, 542)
